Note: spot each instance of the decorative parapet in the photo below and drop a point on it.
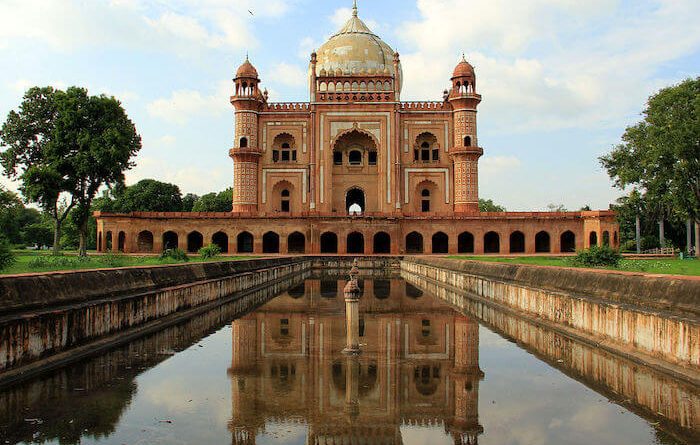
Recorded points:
(428, 105)
(287, 106)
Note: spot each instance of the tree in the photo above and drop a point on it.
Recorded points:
(556, 207)
(215, 202)
(148, 195)
(11, 208)
(490, 206)
(660, 156)
(105, 142)
(188, 202)
(66, 143)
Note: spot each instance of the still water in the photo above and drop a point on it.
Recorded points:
(427, 374)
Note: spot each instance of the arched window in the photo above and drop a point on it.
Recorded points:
(593, 239)
(517, 242)
(145, 242)
(492, 243)
(356, 243)
(195, 241)
(285, 201)
(296, 243)
(372, 158)
(329, 243)
(221, 240)
(414, 243)
(355, 157)
(568, 242)
(337, 158)
(244, 142)
(465, 243)
(425, 200)
(382, 243)
(271, 243)
(606, 238)
(440, 243)
(542, 244)
(467, 141)
(245, 242)
(170, 240)
(425, 152)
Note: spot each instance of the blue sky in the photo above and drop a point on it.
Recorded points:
(561, 79)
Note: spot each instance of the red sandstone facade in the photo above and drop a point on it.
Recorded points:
(356, 170)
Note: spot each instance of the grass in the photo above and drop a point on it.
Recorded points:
(37, 262)
(653, 266)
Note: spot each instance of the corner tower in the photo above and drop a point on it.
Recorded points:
(247, 100)
(466, 151)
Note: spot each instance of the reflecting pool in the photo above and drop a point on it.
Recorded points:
(428, 373)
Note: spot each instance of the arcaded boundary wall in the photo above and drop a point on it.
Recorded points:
(101, 303)
(657, 316)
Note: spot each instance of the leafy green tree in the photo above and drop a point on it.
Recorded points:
(660, 156)
(489, 206)
(556, 207)
(215, 202)
(11, 209)
(6, 256)
(66, 143)
(188, 202)
(149, 195)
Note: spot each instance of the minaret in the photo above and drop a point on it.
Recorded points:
(246, 153)
(464, 426)
(466, 151)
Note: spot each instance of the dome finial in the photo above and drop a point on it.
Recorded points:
(354, 8)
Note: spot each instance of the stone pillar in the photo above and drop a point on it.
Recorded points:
(638, 233)
(662, 237)
(352, 313)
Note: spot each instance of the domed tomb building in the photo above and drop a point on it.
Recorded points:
(356, 170)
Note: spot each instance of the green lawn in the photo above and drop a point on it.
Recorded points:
(654, 266)
(26, 262)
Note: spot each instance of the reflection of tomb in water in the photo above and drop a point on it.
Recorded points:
(672, 404)
(419, 366)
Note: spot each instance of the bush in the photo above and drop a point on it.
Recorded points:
(57, 262)
(211, 251)
(112, 259)
(7, 258)
(598, 256)
(174, 254)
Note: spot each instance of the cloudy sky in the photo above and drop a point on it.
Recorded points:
(561, 79)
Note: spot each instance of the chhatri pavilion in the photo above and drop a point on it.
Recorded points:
(357, 170)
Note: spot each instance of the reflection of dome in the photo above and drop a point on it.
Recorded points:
(247, 70)
(355, 50)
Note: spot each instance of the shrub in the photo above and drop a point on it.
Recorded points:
(112, 259)
(6, 256)
(57, 262)
(211, 251)
(174, 254)
(598, 256)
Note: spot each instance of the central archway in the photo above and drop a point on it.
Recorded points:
(355, 197)
(329, 243)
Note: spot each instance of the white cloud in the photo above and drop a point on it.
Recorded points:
(289, 75)
(179, 26)
(546, 64)
(183, 105)
(490, 165)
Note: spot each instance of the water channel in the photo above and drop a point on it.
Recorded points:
(427, 374)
